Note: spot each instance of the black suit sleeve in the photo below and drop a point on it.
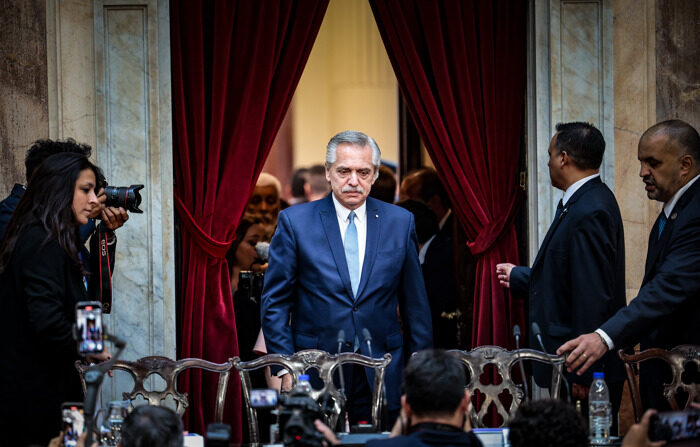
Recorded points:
(676, 280)
(594, 273)
(45, 293)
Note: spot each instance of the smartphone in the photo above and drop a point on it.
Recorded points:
(88, 321)
(675, 425)
(73, 417)
(263, 398)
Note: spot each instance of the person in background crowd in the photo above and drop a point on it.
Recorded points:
(298, 187)
(577, 279)
(434, 405)
(318, 184)
(547, 423)
(384, 188)
(426, 223)
(265, 202)
(666, 311)
(437, 254)
(347, 262)
(41, 280)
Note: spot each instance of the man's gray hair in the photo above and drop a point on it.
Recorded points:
(354, 138)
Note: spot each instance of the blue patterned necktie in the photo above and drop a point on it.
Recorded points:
(662, 224)
(352, 253)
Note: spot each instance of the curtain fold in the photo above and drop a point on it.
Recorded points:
(235, 66)
(461, 68)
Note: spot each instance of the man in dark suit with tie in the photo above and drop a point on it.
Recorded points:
(347, 262)
(666, 312)
(577, 280)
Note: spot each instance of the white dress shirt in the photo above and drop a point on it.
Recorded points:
(571, 190)
(342, 214)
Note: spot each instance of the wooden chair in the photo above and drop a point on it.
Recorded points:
(677, 359)
(476, 361)
(326, 364)
(168, 370)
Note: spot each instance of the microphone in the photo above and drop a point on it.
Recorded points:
(341, 340)
(538, 335)
(516, 334)
(262, 249)
(367, 338)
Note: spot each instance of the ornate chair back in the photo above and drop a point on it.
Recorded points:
(677, 359)
(476, 361)
(168, 370)
(326, 364)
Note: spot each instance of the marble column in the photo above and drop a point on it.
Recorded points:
(569, 79)
(109, 78)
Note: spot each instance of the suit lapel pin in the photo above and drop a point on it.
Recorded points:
(673, 216)
(376, 216)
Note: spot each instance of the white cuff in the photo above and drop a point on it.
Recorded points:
(282, 372)
(606, 339)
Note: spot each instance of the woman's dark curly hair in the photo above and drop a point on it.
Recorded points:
(547, 423)
(48, 201)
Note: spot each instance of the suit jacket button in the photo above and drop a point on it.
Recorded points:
(354, 308)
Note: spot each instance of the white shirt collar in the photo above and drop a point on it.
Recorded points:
(575, 187)
(343, 213)
(668, 206)
(444, 218)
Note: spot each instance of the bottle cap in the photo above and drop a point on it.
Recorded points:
(598, 375)
(306, 377)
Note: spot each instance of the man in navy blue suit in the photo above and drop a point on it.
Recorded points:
(347, 262)
(577, 279)
(666, 311)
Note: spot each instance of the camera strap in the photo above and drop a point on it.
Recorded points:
(102, 245)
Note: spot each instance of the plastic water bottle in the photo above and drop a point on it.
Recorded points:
(599, 410)
(303, 384)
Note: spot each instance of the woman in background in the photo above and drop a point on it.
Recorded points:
(41, 280)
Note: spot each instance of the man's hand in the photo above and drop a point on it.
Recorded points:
(101, 198)
(99, 358)
(286, 383)
(113, 217)
(503, 272)
(326, 432)
(584, 350)
(638, 434)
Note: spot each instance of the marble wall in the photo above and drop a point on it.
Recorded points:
(23, 92)
(570, 78)
(635, 105)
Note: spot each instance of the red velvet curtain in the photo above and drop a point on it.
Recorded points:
(235, 65)
(461, 67)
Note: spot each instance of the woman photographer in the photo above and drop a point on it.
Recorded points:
(241, 257)
(41, 280)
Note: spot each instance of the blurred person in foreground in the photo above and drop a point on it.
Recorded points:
(152, 426)
(41, 280)
(547, 423)
(434, 405)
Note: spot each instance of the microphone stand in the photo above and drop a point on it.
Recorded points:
(538, 335)
(93, 379)
(341, 340)
(367, 338)
(516, 334)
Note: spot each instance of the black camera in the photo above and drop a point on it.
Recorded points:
(127, 197)
(297, 414)
(250, 284)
